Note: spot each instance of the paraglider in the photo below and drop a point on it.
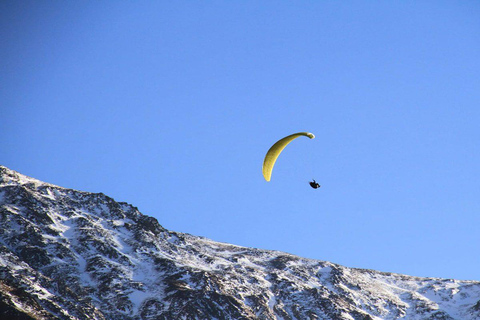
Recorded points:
(314, 184)
(275, 151)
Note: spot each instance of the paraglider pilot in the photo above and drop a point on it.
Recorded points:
(314, 184)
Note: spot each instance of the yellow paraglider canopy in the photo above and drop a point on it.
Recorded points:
(275, 151)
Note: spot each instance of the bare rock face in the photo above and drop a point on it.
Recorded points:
(67, 254)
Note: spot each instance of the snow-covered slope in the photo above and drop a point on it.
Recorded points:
(67, 254)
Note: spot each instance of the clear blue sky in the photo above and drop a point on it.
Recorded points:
(171, 106)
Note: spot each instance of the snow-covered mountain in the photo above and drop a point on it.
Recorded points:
(67, 254)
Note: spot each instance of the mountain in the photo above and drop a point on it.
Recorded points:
(68, 254)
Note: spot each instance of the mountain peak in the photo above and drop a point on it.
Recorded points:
(11, 177)
(67, 254)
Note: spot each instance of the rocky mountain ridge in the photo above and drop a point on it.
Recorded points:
(68, 254)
